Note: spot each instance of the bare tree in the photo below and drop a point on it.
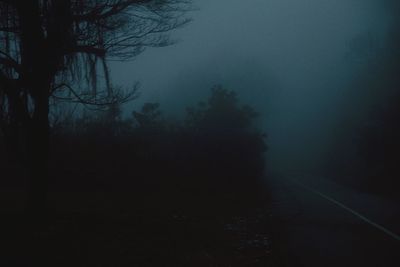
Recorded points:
(58, 48)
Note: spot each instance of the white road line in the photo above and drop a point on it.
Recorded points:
(362, 217)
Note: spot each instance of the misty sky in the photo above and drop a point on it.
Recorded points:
(285, 57)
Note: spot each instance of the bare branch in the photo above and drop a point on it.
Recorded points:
(8, 62)
(107, 10)
(99, 52)
(117, 96)
(73, 40)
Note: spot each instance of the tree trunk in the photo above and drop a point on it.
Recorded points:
(11, 129)
(35, 59)
(38, 155)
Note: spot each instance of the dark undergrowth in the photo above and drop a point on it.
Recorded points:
(166, 208)
(143, 197)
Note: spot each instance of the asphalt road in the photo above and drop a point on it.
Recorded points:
(322, 223)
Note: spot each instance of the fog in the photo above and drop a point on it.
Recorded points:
(265, 134)
(287, 58)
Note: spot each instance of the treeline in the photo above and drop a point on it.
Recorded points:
(217, 147)
(379, 136)
(370, 130)
(379, 145)
(161, 190)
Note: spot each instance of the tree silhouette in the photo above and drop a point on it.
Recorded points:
(222, 110)
(48, 48)
(150, 116)
(227, 142)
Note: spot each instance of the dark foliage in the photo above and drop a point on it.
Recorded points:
(53, 50)
(153, 193)
(379, 147)
(217, 143)
(378, 138)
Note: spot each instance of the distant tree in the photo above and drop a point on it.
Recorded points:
(150, 116)
(224, 139)
(378, 132)
(47, 47)
(364, 48)
(222, 110)
(379, 144)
